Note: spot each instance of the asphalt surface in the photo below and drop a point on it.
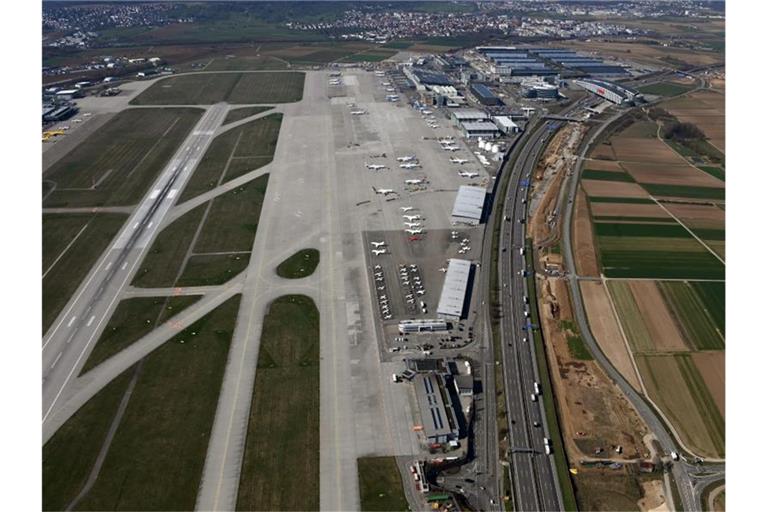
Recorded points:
(68, 341)
(532, 472)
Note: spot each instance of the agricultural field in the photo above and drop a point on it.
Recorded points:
(381, 487)
(116, 165)
(72, 244)
(699, 323)
(691, 407)
(301, 264)
(245, 63)
(705, 109)
(131, 320)
(155, 459)
(233, 153)
(235, 88)
(666, 89)
(282, 448)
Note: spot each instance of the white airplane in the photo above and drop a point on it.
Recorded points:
(392, 97)
(378, 244)
(412, 217)
(406, 158)
(375, 167)
(451, 148)
(414, 231)
(460, 161)
(386, 84)
(391, 89)
(358, 112)
(415, 182)
(413, 224)
(384, 191)
(426, 112)
(469, 174)
(377, 252)
(409, 165)
(443, 269)
(379, 73)
(406, 208)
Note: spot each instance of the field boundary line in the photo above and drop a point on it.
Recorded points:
(688, 230)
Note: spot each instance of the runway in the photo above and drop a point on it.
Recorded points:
(68, 342)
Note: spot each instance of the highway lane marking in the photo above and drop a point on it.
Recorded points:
(155, 193)
(171, 194)
(149, 225)
(56, 360)
(71, 321)
(135, 225)
(125, 264)
(108, 266)
(90, 321)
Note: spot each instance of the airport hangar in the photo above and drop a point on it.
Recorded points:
(454, 294)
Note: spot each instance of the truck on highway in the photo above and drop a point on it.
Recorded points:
(533, 397)
(522, 251)
(536, 388)
(547, 446)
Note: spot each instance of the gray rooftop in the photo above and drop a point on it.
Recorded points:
(470, 114)
(479, 125)
(470, 200)
(454, 288)
(433, 413)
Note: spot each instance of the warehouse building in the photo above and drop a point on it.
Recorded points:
(535, 88)
(438, 422)
(469, 205)
(69, 94)
(611, 91)
(454, 294)
(484, 95)
(475, 129)
(506, 125)
(468, 115)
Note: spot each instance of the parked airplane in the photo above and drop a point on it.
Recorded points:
(460, 161)
(391, 89)
(384, 191)
(415, 182)
(451, 148)
(426, 112)
(386, 84)
(378, 244)
(409, 165)
(375, 167)
(414, 231)
(358, 112)
(378, 252)
(406, 158)
(392, 97)
(413, 224)
(412, 217)
(443, 269)
(406, 208)
(469, 174)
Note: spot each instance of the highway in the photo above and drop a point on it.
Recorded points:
(532, 472)
(69, 341)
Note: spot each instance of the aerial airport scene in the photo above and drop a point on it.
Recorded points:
(383, 256)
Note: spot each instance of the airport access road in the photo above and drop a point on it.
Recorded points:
(533, 472)
(68, 342)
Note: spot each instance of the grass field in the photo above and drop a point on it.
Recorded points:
(381, 487)
(630, 200)
(233, 153)
(697, 322)
(233, 218)
(70, 454)
(712, 295)
(235, 88)
(163, 260)
(281, 462)
(604, 489)
(156, 458)
(685, 191)
(589, 174)
(649, 220)
(132, 319)
(666, 89)
(210, 270)
(236, 114)
(577, 349)
(640, 230)
(676, 386)
(717, 172)
(246, 63)
(117, 164)
(63, 278)
(300, 264)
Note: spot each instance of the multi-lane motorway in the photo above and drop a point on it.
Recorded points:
(68, 342)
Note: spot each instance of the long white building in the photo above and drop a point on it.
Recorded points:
(468, 206)
(454, 294)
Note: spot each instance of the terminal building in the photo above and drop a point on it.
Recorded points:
(611, 91)
(454, 295)
(468, 206)
(422, 325)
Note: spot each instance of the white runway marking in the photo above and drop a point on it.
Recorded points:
(71, 321)
(108, 265)
(90, 321)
